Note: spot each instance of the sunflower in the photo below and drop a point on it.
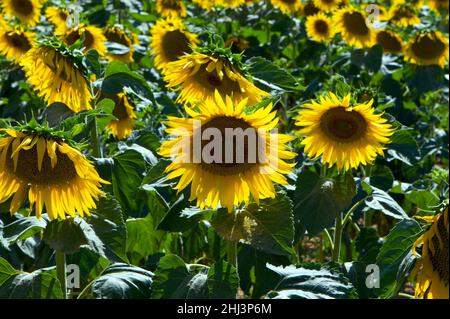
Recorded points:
(428, 48)
(123, 111)
(344, 135)
(432, 268)
(439, 4)
(319, 27)
(204, 4)
(117, 35)
(389, 41)
(93, 38)
(170, 39)
(14, 42)
(309, 9)
(57, 77)
(231, 3)
(403, 15)
(198, 76)
(327, 5)
(223, 180)
(49, 173)
(237, 43)
(57, 16)
(171, 8)
(28, 11)
(351, 23)
(287, 6)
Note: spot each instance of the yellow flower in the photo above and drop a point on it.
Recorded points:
(56, 78)
(428, 48)
(403, 15)
(14, 42)
(28, 11)
(230, 3)
(309, 9)
(389, 41)
(49, 173)
(170, 39)
(198, 76)
(342, 134)
(319, 27)
(117, 35)
(327, 5)
(432, 268)
(439, 4)
(93, 38)
(351, 23)
(123, 111)
(57, 16)
(288, 6)
(205, 4)
(220, 181)
(171, 8)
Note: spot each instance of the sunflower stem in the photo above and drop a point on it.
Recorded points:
(232, 252)
(61, 271)
(337, 239)
(95, 145)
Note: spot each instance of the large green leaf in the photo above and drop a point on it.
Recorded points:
(23, 228)
(381, 201)
(403, 147)
(223, 281)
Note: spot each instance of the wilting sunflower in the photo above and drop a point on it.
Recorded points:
(123, 111)
(14, 42)
(57, 16)
(56, 73)
(389, 41)
(428, 48)
(220, 180)
(49, 173)
(351, 23)
(403, 15)
(170, 39)
(344, 135)
(439, 4)
(319, 27)
(171, 8)
(288, 6)
(327, 5)
(93, 38)
(117, 35)
(28, 11)
(433, 267)
(199, 75)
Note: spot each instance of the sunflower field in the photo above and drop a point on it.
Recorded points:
(224, 149)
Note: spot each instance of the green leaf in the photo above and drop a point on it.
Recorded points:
(368, 245)
(271, 75)
(267, 227)
(424, 199)
(381, 177)
(403, 147)
(381, 201)
(397, 246)
(373, 58)
(22, 229)
(223, 281)
(6, 271)
(318, 200)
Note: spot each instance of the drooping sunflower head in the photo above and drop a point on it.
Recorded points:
(15, 42)
(319, 27)
(288, 6)
(403, 15)
(170, 40)
(199, 74)
(342, 134)
(237, 43)
(389, 41)
(48, 172)
(57, 74)
(428, 48)
(171, 8)
(351, 23)
(328, 5)
(433, 267)
(28, 11)
(118, 35)
(58, 16)
(124, 112)
(93, 38)
(243, 157)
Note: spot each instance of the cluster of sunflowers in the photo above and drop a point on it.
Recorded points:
(45, 167)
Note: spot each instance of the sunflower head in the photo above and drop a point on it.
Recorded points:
(204, 4)
(309, 8)
(328, 5)
(227, 154)
(342, 134)
(237, 43)
(365, 95)
(351, 23)
(433, 267)
(15, 42)
(171, 8)
(118, 35)
(389, 41)
(319, 27)
(92, 38)
(57, 74)
(428, 48)
(58, 16)
(28, 11)
(170, 40)
(37, 164)
(212, 67)
(230, 3)
(288, 6)
(403, 15)
(439, 5)
(122, 127)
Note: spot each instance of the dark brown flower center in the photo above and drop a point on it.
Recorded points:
(75, 35)
(175, 44)
(355, 23)
(117, 37)
(24, 7)
(19, 41)
(27, 168)
(439, 258)
(343, 126)
(428, 48)
(211, 81)
(310, 9)
(172, 4)
(321, 27)
(388, 42)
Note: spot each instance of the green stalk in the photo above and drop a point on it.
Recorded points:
(61, 271)
(232, 252)
(95, 145)
(337, 238)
